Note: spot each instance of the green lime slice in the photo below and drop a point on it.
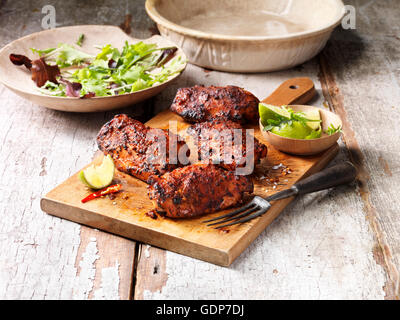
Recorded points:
(268, 112)
(100, 176)
(82, 178)
(295, 130)
(313, 115)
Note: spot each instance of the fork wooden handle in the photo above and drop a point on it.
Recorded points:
(292, 91)
(331, 177)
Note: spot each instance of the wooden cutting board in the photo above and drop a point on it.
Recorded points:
(126, 214)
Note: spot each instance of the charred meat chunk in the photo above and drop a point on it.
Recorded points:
(138, 150)
(226, 143)
(198, 189)
(199, 104)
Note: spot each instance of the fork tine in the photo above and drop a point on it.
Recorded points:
(244, 214)
(241, 209)
(251, 217)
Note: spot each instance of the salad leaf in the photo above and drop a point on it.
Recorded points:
(111, 72)
(132, 74)
(72, 89)
(64, 55)
(80, 39)
(132, 53)
(292, 124)
(98, 87)
(91, 72)
(332, 129)
(42, 72)
(139, 84)
(108, 52)
(294, 116)
(166, 55)
(315, 134)
(69, 55)
(42, 53)
(19, 60)
(53, 89)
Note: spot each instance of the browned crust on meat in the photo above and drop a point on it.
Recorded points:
(215, 140)
(137, 149)
(199, 104)
(198, 189)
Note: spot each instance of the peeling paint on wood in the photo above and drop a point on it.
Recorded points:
(114, 266)
(86, 271)
(151, 272)
(109, 288)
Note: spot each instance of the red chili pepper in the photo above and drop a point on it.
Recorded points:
(111, 189)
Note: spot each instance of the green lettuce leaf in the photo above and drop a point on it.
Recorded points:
(68, 55)
(136, 67)
(42, 53)
(315, 134)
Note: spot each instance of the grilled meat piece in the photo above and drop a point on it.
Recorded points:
(198, 189)
(199, 104)
(215, 142)
(137, 149)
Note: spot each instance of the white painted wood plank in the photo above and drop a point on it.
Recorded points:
(43, 257)
(39, 254)
(366, 67)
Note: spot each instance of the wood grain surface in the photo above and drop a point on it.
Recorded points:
(336, 244)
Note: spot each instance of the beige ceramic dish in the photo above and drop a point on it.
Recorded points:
(306, 147)
(18, 79)
(247, 36)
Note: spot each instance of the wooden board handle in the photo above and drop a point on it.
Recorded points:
(292, 91)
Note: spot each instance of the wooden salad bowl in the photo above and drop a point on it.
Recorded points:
(306, 147)
(18, 79)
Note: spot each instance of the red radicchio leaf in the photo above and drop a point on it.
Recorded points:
(113, 85)
(112, 64)
(72, 89)
(166, 56)
(89, 95)
(19, 60)
(42, 72)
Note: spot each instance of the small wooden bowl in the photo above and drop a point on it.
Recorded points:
(306, 147)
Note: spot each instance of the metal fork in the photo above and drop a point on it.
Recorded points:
(331, 177)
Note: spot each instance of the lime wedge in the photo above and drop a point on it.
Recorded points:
(268, 112)
(100, 176)
(295, 130)
(313, 115)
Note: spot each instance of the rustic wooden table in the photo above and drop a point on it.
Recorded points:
(337, 244)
